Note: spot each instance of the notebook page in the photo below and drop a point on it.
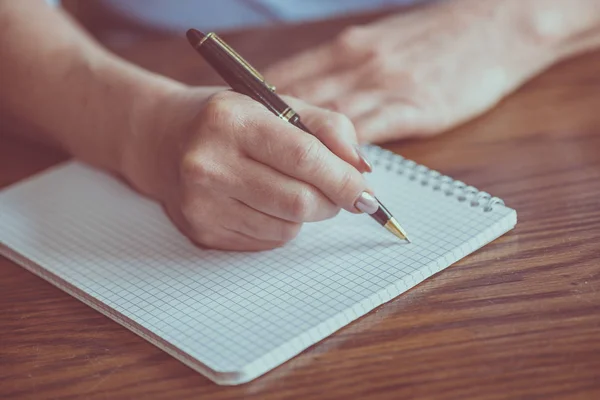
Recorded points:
(236, 313)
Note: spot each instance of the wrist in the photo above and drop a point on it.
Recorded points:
(106, 109)
(144, 136)
(555, 26)
(160, 122)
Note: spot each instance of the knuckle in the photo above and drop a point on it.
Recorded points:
(301, 205)
(306, 153)
(350, 39)
(219, 110)
(193, 170)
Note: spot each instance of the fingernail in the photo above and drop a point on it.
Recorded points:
(363, 158)
(367, 203)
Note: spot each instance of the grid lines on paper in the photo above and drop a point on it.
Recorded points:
(227, 309)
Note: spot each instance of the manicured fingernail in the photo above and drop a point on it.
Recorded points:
(367, 203)
(363, 158)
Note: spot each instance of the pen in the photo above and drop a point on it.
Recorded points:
(244, 79)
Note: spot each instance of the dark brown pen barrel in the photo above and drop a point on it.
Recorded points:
(382, 216)
(238, 78)
(295, 120)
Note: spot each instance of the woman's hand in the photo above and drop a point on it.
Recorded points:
(423, 72)
(232, 175)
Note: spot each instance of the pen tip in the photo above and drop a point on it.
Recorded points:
(194, 36)
(394, 227)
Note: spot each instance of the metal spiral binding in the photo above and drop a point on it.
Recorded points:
(428, 177)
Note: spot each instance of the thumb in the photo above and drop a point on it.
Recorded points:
(335, 131)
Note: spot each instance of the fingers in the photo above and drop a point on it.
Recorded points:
(257, 225)
(302, 156)
(352, 44)
(309, 63)
(270, 192)
(235, 241)
(321, 89)
(252, 178)
(234, 226)
(392, 121)
(359, 103)
(337, 133)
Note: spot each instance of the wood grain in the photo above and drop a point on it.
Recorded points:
(519, 319)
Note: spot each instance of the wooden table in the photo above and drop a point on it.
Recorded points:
(517, 319)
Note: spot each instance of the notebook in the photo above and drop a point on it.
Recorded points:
(234, 316)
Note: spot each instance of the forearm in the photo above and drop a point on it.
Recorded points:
(81, 97)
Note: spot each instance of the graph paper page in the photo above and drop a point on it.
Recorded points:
(242, 313)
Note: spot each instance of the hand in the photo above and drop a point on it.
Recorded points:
(232, 175)
(417, 73)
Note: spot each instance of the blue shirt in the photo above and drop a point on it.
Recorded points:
(231, 14)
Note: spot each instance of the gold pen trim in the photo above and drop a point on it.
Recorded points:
(238, 57)
(287, 114)
(204, 39)
(394, 227)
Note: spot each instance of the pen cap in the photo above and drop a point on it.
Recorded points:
(239, 74)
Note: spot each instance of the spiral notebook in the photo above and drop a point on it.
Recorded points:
(234, 316)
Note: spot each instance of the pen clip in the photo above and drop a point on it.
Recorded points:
(240, 59)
